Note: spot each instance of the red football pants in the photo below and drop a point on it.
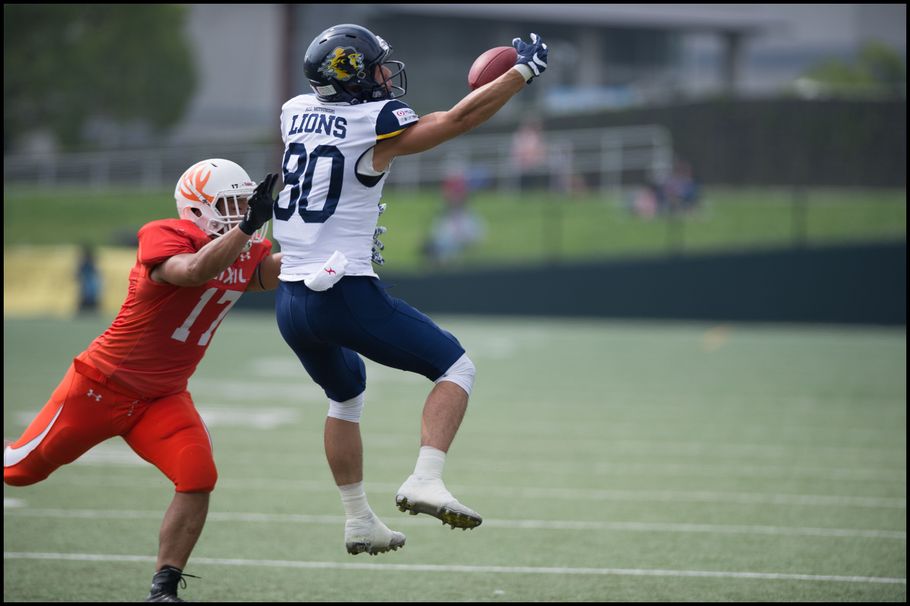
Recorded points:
(82, 412)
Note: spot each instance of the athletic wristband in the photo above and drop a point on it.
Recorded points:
(526, 72)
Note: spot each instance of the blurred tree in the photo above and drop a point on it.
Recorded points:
(64, 65)
(878, 69)
(886, 66)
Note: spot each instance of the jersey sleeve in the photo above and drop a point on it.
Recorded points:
(393, 118)
(159, 241)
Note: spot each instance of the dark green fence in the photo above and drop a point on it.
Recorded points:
(778, 142)
(858, 284)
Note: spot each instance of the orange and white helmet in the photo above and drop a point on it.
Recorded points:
(209, 195)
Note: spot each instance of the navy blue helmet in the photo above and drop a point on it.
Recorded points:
(341, 63)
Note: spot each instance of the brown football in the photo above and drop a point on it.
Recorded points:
(490, 65)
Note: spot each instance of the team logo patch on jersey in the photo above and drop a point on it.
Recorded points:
(405, 115)
(342, 64)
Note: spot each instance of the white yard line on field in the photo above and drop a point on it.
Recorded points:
(638, 572)
(638, 496)
(675, 496)
(116, 455)
(673, 459)
(332, 520)
(705, 496)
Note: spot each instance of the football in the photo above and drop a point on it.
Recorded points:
(490, 65)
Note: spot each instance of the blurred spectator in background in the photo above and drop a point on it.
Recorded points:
(564, 178)
(679, 193)
(648, 201)
(89, 279)
(457, 227)
(529, 156)
(681, 190)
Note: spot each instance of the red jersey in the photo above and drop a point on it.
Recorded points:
(162, 331)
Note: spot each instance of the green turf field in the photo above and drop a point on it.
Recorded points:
(612, 461)
(520, 229)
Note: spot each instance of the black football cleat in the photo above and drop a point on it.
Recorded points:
(164, 585)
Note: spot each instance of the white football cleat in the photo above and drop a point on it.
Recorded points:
(370, 535)
(418, 495)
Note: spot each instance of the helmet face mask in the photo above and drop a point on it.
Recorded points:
(343, 62)
(213, 194)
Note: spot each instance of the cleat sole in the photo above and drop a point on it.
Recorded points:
(455, 519)
(365, 547)
(355, 548)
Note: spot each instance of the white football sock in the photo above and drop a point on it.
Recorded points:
(354, 500)
(430, 462)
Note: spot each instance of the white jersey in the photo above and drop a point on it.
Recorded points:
(326, 206)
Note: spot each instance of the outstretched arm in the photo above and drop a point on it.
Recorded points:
(195, 269)
(475, 109)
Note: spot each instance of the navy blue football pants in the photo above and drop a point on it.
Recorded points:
(328, 329)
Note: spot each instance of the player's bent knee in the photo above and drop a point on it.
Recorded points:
(203, 480)
(349, 410)
(31, 470)
(196, 470)
(21, 477)
(461, 373)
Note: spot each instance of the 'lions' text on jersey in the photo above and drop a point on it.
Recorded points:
(326, 205)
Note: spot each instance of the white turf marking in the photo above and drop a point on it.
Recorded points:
(489, 523)
(215, 417)
(674, 496)
(258, 391)
(711, 497)
(637, 572)
(635, 496)
(111, 454)
(224, 416)
(259, 418)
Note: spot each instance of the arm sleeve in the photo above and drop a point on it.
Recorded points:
(393, 118)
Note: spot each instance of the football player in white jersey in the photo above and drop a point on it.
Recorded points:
(339, 144)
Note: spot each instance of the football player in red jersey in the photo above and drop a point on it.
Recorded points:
(132, 380)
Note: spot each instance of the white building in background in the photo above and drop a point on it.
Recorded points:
(603, 55)
(801, 35)
(238, 58)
